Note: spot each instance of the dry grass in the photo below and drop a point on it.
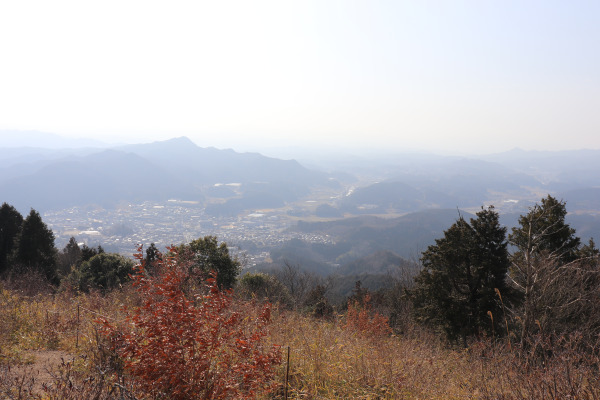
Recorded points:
(328, 361)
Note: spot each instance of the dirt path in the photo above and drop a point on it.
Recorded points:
(44, 362)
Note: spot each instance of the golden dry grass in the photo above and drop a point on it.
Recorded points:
(328, 361)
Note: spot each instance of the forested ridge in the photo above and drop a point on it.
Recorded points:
(486, 313)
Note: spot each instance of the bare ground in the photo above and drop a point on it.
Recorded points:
(40, 371)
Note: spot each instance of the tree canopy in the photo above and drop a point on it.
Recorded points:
(104, 271)
(89, 252)
(206, 255)
(69, 258)
(544, 230)
(457, 287)
(34, 247)
(10, 224)
(153, 255)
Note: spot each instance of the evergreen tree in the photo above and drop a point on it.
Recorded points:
(88, 252)
(457, 287)
(104, 271)
(589, 253)
(546, 272)
(10, 224)
(544, 231)
(152, 256)
(34, 247)
(207, 255)
(69, 258)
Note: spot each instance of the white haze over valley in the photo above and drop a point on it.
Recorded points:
(283, 78)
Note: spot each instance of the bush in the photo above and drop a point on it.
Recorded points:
(263, 286)
(363, 320)
(205, 256)
(104, 271)
(188, 347)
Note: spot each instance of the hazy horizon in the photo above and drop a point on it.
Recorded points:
(444, 77)
(50, 140)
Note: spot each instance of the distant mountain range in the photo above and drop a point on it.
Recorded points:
(47, 179)
(47, 176)
(511, 181)
(103, 178)
(420, 195)
(60, 172)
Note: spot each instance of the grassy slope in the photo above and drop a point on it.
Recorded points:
(328, 360)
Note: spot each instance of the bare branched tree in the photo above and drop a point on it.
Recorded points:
(298, 282)
(557, 283)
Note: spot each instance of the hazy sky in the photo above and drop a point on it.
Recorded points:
(474, 76)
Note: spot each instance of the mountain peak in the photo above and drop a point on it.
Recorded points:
(175, 145)
(179, 141)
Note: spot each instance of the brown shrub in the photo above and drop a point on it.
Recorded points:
(187, 348)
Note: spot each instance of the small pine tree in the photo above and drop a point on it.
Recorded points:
(69, 258)
(34, 248)
(10, 225)
(153, 255)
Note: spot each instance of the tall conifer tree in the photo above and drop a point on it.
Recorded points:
(10, 224)
(457, 288)
(35, 247)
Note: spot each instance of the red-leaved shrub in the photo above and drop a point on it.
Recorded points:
(362, 319)
(183, 346)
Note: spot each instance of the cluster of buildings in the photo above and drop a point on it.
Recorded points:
(124, 228)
